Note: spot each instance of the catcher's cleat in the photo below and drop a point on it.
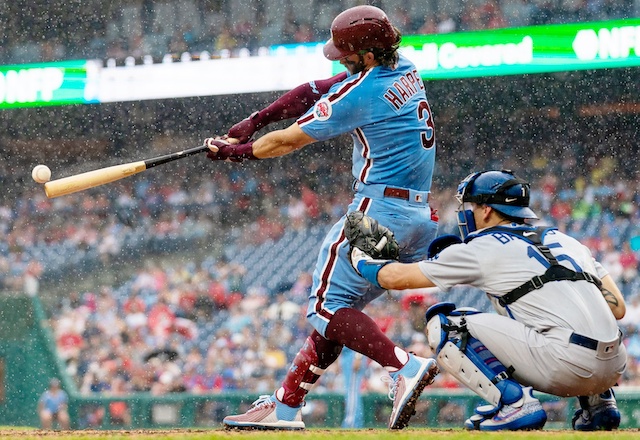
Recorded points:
(406, 386)
(267, 413)
(597, 413)
(524, 414)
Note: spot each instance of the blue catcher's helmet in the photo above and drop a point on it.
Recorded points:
(501, 190)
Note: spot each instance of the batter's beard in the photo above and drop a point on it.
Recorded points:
(355, 67)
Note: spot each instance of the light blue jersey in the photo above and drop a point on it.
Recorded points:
(387, 114)
(53, 401)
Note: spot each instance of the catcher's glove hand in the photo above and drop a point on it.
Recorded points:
(366, 234)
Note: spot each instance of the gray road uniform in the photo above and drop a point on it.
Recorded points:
(560, 338)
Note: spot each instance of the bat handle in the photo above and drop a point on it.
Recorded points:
(154, 162)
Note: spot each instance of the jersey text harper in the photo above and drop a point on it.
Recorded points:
(404, 89)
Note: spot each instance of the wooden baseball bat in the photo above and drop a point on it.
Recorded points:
(90, 179)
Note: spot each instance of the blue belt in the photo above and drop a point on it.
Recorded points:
(587, 342)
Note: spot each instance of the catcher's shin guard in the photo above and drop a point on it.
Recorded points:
(302, 374)
(467, 359)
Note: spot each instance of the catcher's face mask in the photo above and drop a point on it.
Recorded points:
(466, 221)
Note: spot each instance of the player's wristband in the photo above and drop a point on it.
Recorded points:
(369, 269)
(242, 151)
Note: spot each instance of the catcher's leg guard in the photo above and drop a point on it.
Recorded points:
(466, 358)
(304, 370)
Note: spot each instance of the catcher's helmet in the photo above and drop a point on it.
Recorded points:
(360, 28)
(501, 190)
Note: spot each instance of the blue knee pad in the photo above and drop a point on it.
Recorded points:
(438, 328)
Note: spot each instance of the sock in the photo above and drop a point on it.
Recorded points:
(359, 332)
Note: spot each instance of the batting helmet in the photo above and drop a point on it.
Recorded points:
(501, 190)
(360, 28)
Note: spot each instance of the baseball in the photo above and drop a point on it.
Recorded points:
(41, 173)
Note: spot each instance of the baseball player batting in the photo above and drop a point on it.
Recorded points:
(556, 329)
(380, 101)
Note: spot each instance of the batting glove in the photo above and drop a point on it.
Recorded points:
(223, 150)
(244, 130)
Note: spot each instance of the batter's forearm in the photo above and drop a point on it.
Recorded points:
(280, 142)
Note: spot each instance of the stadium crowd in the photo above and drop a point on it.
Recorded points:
(195, 325)
(59, 30)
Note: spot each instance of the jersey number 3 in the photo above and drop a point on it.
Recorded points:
(428, 137)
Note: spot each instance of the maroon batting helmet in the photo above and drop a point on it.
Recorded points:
(360, 28)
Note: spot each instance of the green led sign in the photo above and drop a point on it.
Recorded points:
(511, 51)
(533, 49)
(36, 85)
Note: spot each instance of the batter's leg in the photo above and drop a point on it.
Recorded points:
(282, 410)
(410, 374)
(315, 356)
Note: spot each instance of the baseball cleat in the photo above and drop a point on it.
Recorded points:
(597, 413)
(524, 414)
(406, 386)
(267, 413)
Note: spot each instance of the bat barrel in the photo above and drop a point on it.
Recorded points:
(90, 179)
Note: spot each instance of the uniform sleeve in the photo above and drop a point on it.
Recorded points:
(342, 110)
(455, 265)
(601, 272)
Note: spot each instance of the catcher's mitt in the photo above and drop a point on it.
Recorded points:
(372, 238)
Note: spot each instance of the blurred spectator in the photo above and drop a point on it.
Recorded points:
(492, 15)
(628, 263)
(31, 278)
(429, 25)
(210, 381)
(446, 24)
(225, 40)
(296, 212)
(518, 12)
(304, 34)
(282, 309)
(52, 406)
(160, 319)
(119, 412)
(95, 380)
